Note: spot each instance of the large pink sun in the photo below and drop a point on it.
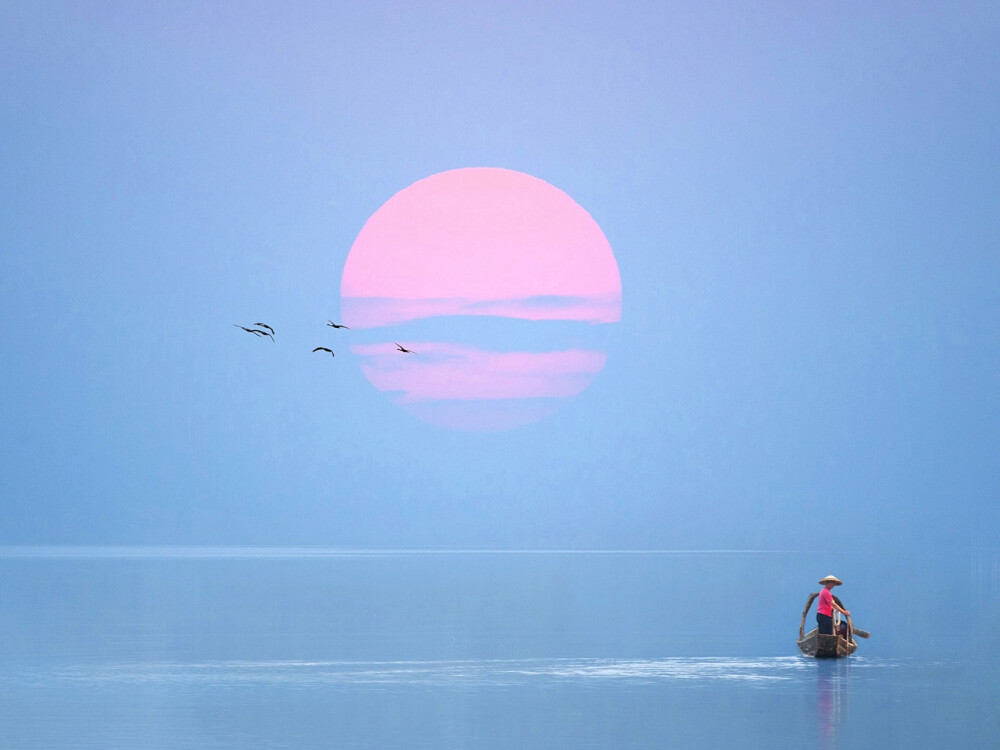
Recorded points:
(478, 242)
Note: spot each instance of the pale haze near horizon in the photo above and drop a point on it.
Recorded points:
(801, 199)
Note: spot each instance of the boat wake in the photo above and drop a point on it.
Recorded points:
(463, 673)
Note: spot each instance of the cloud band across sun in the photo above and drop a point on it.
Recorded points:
(449, 371)
(375, 312)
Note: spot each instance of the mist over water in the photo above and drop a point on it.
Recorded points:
(310, 647)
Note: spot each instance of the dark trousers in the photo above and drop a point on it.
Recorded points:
(825, 624)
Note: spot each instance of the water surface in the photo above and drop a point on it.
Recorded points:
(233, 647)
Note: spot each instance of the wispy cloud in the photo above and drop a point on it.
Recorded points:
(451, 372)
(373, 312)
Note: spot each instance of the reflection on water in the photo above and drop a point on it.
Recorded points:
(831, 695)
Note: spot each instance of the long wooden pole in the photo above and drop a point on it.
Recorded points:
(802, 623)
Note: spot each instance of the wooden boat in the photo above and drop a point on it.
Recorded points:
(826, 646)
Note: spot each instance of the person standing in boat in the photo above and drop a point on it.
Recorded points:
(826, 605)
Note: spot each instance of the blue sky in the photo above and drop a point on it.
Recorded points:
(802, 199)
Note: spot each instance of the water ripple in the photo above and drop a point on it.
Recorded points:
(477, 673)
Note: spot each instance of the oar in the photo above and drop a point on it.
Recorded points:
(854, 630)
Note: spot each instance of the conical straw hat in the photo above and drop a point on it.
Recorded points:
(836, 581)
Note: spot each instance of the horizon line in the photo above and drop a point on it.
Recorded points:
(169, 551)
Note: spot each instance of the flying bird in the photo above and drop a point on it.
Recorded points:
(324, 349)
(255, 331)
(336, 325)
(404, 350)
(265, 325)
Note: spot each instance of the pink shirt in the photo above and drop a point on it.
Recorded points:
(825, 606)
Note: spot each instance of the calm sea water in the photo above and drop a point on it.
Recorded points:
(279, 648)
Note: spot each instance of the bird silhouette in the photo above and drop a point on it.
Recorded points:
(336, 325)
(404, 350)
(255, 331)
(324, 349)
(265, 325)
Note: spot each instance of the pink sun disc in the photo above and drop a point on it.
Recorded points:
(472, 243)
(481, 241)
